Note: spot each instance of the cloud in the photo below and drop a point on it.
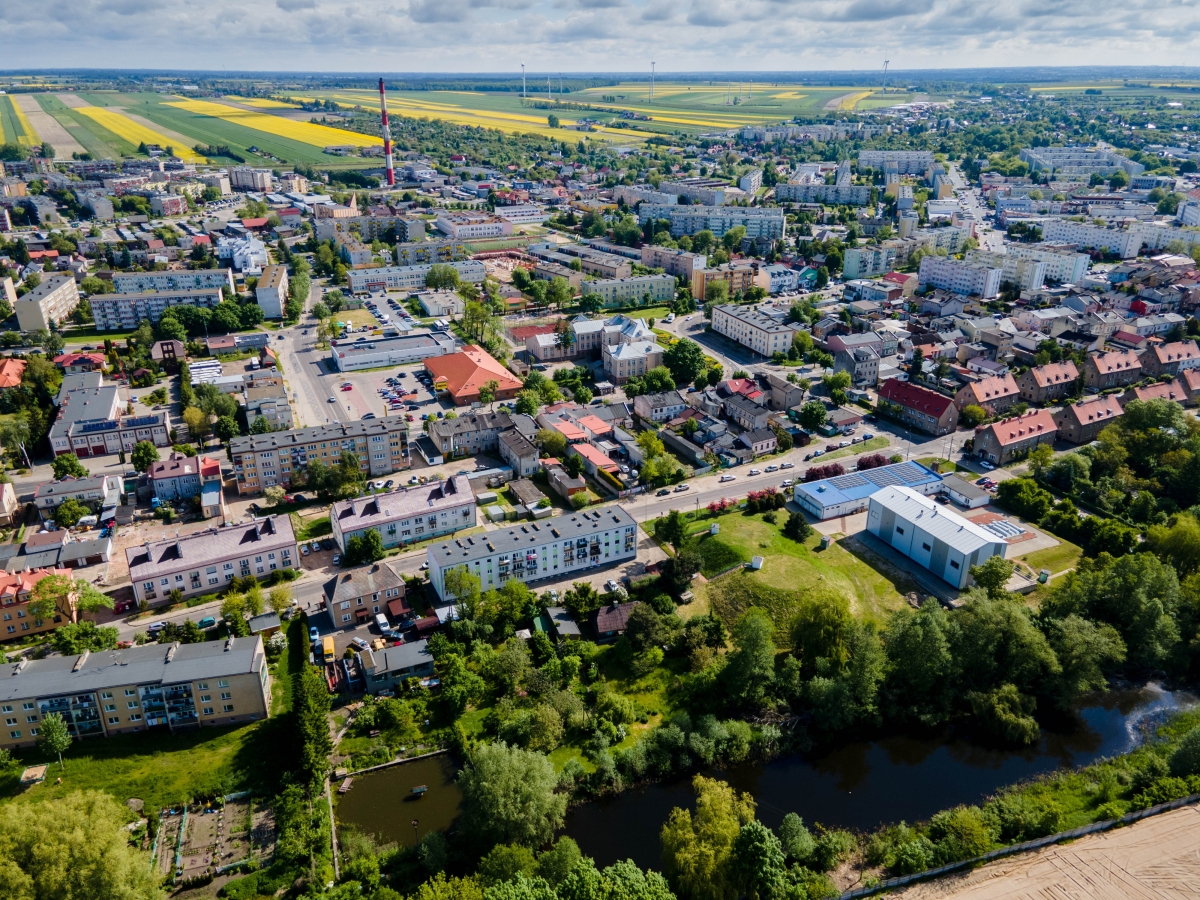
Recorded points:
(295, 5)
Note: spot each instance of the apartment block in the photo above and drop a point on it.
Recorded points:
(868, 262)
(51, 301)
(1002, 442)
(673, 262)
(470, 434)
(1078, 161)
(401, 278)
(16, 592)
(633, 360)
(358, 595)
(248, 178)
(759, 221)
(205, 561)
(1027, 274)
(125, 311)
(558, 548)
(272, 291)
(1063, 265)
(1042, 384)
(959, 277)
(1082, 422)
(415, 253)
(267, 398)
(189, 280)
(906, 162)
(750, 328)
(263, 460)
(831, 194)
(1116, 368)
(1124, 244)
(633, 194)
(413, 513)
(739, 276)
(751, 181)
(623, 291)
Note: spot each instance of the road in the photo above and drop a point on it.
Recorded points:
(989, 238)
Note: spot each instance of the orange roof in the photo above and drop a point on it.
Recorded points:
(595, 425)
(11, 371)
(594, 456)
(470, 369)
(1011, 431)
(569, 430)
(17, 585)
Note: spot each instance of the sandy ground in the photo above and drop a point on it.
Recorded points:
(1157, 859)
(72, 100)
(48, 128)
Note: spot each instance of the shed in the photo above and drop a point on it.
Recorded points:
(265, 625)
(964, 493)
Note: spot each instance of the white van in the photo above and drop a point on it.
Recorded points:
(87, 522)
(382, 622)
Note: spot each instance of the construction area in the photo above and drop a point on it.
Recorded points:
(206, 839)
(1155, 859)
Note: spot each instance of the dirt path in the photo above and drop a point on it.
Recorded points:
(48, 128)
(1156, 859)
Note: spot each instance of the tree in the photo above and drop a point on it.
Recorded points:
(797, 527)
(53, 736)
(68, 464)
(509, 796)
(463, 585)
(672, 529)
(60, 594)
(697, 850)
(73, 638)
(973, 414)
(751, 666)
(757, 861)
(685, 359)
(1040, 458)
(442, 277)
(73, 848)
(916, 365)
(279, 598)
(487, 392)
(812, 415)
(310, 705)
(796, 840)
(919, 685)
(552, 442)
(993, 575)
(226, 429)
(144, 455)
(560, 293)
(69, 512)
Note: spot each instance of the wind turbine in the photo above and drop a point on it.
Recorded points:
(885, 65)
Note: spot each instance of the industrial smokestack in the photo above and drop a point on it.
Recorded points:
(387, 136)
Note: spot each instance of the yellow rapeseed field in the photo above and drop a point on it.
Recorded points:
(304, 132)
(30, 138)
(261, 102)
(852, 100)
(135, 132)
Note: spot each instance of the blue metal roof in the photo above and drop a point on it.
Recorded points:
(859, 485)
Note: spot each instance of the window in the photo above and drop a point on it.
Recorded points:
(205, 698)
(225, 695)
(132, 704)
(33, 732)
(345, 617)
(899, 530)
(228, 707)
(130, 692)
(106, 695)
(114, 720)
(208, 711)
(110, 707)
(953, 564)
(224, 682)
(202, 685)
(925, 546)
(10, 721)
(14, 734)
(31, 718)
(135, 717)
(27, 705)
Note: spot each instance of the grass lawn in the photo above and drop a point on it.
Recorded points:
(657, 313)
(790, 571)
(356, 317)
(311, 527)
(1056, 559)
(875, 443)
(946, 465)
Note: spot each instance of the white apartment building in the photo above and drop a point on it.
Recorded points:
(191, 280)
(834, 194)
(530, 552)
(272, 291)
(248, 178)
(246, 254)
(413, 513)
(959, 277)
(906, 162)
(125, 311)
(633, 194)
(1063, 265)
(750, 328)
(673, 262)
(406, 278)
(522, 214)
(219, 181)
(868, 262)
(616, 291)
(51, 301)
(471, 226)
(1078, 161)
(1027, 274)
(1156, 235)
(759, 221)
(751, 181)
(1093, 237)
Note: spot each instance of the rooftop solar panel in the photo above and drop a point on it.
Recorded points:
(844, 482)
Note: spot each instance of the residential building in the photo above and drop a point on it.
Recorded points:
(760, 441)
(1062, 161)
(868, 262)
(462, 374)
(751, 181)
(1081, 422)
(272, 291)
(466, 226)
(519, 452)
(51, 301)
(845, 495)
(170, 281)
(412, 253)
(263, 460)
(470, 434)
(123, 312)
(1116, 368)
(740, 277)
(248, 178)
(1175, 390)
(759, 221)
(414, 513)
(782, 278)
(136, 688)
(401, 278)
(933, 536)
(389, 668)
(350, 355)
(762, 334)
(1063, 265)
(679, 263)
(831, 194)
(1043, 384)
(905, 162)
(179, 477)
(1002, 442)
(861, 362)
(90, 423)
(633, 194)
(1170, 359)
(246, 254)
(359, 594)
(959, 277)
(995, 394)
(581, 542)
(205, 561)
(633, 360)
(625, 291)
(1124, 244)
(1027, 274)
(746, 413)
(266, 398)
(784, 394)
(705, 191)
(919, 407)
(16, 592)
(609, 622)
(169, 205)
(94, 491)
(219, 181)
(659, 407)
(168, 352)
(74, 363)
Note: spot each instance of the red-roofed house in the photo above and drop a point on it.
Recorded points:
(596, 426)
(73, 363)
(1006, 440)
(1113, 369)
(572, 432)
(1160, 390)
(593, 459)
(1080, 422)
(290, 217)
(743, 387)
(994, 394)
(257, 224)
(1129, 340)
(35, 255)
(11, 372)
(906, 281)
(1041, 384)
(1170, 359)
(919, 407)
(463, 374)
(16, 589)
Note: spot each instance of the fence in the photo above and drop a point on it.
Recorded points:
(1094, 828)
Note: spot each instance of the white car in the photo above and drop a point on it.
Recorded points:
(755, 472)
(787, 482)
(787, 465)
(772, 468)
(725, 478)
(360, 643)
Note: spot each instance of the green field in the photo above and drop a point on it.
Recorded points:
(95, 138)
(10, 128)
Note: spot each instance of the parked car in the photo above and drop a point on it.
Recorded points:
(337, 559)
(787, 465)
(304, 550)
(360, 643)
(756, 471)
(661, 492)
(985, 465)
(328, 544)
(207, 622)
(772, 468)
(155, 627)
(726, 477)
(313, 634)
(682, 487)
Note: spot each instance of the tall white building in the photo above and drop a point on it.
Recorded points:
(248, 178)
(51, 301)
(906, 162)
(1063, 265)
(272, 291)
(959, 277)
(867, 262)
(1027, 274)
(190, 280)
(750, 328)
(1079, 161)
(125, 311)
(1093, 237)
(759, 221)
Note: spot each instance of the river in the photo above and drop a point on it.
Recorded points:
(856, 785)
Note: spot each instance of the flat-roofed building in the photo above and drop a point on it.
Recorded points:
(349, 355)
(118, 312)
(170, 281)
(750, 328)
(766, 222)
(206, 561)
(413, 513)
(263, 460)
(565, 546)
(51, 301)
(844, 495)
(179, 686)
(932, 536)
(272, 291)
(90, 423)
(402, 278)
(673, 262)
(739, 276)
(266, 398)
(615, 291)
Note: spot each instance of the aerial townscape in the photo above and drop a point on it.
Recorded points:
(539, 485)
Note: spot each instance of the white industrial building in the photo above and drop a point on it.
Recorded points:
(351, 356)
(959, 277)
(557, 548)
(932, 535)
(405, 278)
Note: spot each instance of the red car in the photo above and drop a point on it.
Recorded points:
(347, 387)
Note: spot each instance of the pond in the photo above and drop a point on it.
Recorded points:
(856, 785)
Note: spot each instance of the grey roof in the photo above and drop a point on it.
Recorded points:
(150, 560)
(525, 424)
(83, 549)
(367, 512)
(78, 381)
(563, 623)
(958, 532)
(336, 432)
(666, 398)
(71, 486)
(759, 434)
(149, 664)
(526, 491)
(964, 487)
(737, 401)
(563, 528)
(404, 656)
(263, 622)
(519, 445)
(362, 581)
(468, 423)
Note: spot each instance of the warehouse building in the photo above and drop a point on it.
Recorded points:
(352, 356)
(941, 540)
(844, 495)
(532, 552)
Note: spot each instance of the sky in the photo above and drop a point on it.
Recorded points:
(496, 36)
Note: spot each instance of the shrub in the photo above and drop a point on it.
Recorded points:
(960, 833)
(1023, 817)
(1185, 760)
(831, 848)
(913, 856)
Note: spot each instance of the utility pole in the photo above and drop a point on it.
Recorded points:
(522, 81)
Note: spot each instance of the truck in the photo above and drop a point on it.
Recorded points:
(328, 652)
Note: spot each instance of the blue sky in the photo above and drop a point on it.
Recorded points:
(593, 35)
